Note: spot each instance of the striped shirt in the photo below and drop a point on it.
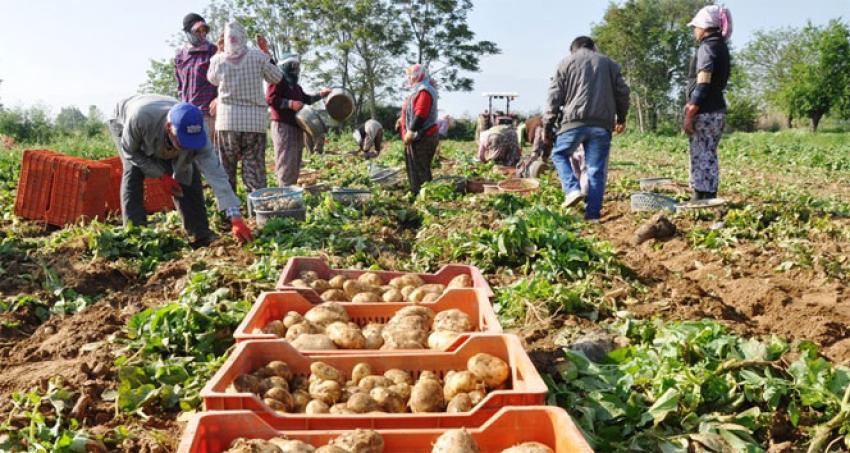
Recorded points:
(190, 68)
(241, 98)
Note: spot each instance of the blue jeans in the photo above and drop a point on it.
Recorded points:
(597, 145)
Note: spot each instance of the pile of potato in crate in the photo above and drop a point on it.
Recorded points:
(345, 360)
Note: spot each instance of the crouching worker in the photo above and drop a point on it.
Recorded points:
(369, 137)
(159, 137)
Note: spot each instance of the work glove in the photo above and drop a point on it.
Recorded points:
(170, 186)
(241, 232)
(296, 105)
(691, 111)
(263, 44)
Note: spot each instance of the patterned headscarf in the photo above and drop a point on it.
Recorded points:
(714, 16)
(419, 74)
(235, 42)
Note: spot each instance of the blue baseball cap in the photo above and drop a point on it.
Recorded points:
(188, 120)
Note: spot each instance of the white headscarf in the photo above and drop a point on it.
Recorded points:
(235, 42)
(714, 16)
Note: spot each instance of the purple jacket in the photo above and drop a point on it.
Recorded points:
(190, 68)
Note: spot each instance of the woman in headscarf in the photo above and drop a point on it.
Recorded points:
(191, 63)
(286, 98)
(241, 111)
(705, 112)
(418, 126)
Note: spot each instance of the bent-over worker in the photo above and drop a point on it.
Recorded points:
(369, 137)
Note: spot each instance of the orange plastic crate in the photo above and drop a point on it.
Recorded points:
(299, 264)
(78, 191)
(526, 386)
(209, 432)
(155, 199)
(113, 197)
(274, 305)
(35, 183)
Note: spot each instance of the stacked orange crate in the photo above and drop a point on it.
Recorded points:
(78, 191)
(155, 199)
(113, 196)
(34, 185)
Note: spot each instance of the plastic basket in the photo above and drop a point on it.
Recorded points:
(647, 201)
(275, 305)
(296, 265)
(387, 177)
(519, 186)
(310, 121)
(35, 183)
(262, 200)
(476, 185)
(650, 183)
(552, 426)
(264, 216)
(351, 196)
(339, 104)
(526, 387)
(78, 191)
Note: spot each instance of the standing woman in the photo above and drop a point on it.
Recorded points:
(418, 127)
(241, 112)
(191, 63)
(705, 112)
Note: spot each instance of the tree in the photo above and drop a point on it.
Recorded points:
(651, 41)
(440, 36)
(767, 60)
(744, 108)
(280, 21)
(94, 121)
(70, 119)
(161, 78)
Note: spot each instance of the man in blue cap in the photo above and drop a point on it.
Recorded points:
(160, 137)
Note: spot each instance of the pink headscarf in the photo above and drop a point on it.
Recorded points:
(419, 73)
(714, 16)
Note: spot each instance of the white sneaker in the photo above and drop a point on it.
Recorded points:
(572, 198)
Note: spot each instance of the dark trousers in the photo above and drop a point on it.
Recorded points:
(417, 157)
(191, 206)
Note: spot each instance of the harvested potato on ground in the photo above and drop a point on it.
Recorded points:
(365, 297)
(406, 291)
(455, 441)
(317, 407)
(313, 342)
(489, 368)
(354, 287)
(460, 403)
(277, 328)
(430, 298)
(529, 447)
(402, 390)
(323, 371)
(360, 371)
(275, 405)
(361, 403)
(334, 295)
(292, 446)
(337, 281)
(281, 395)
(392, 295)
(387, 400)
(292, 318)
(398, 376)
(328, 391)
(476, 396)
(252, 446)
(372, 333)
(245, 383)
(360, 441)
(308, 276)
(370, 382)
(299, 329)
(461, 281)
(320, 285)
(346, 335)
(272, 382)
(299, 283)
(427, 396)
(371, 278)
(440, 340)
(453, 320)
(326, 313)
(460, 382)
(300, 398)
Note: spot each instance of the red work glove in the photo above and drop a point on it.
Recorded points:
(240, 231)
(170, 186)
(263, 44)
(691, 111)
(296, 105)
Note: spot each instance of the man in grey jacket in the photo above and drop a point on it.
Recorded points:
(588, 98)
(160, 137)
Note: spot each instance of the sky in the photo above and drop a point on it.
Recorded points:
(60, 53)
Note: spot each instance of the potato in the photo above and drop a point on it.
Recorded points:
(460, 382)
(350, 390)
(275, 405)
(308, 276)
(452, 320)
(334, 295)
(326, 313)
(326, 372)
(299, 329)
(440, 340)
(398, 376)
(402, 390)
(427, 374)
(330, 449)
(277, 328)
(417, 311)
(461, 281)
(300, 399)
(337, 281)
(360, 441)
(361, 403)
(392, 295)
(387, 400)
(427, 396)
(455, 441)
(340, 408)
(328, 391)
(317, 407)
(406, 291)
(407, 280)
(436, 288)
(430, 298)
(320, 285)
(384, 288)
(365, 297)
(281, 395)
(245, 383)
(292, 446)
(273, 382)
(416, 295)
(490, 369)
(460, 403)
(404, 338)
(346, 335)
(292, 318)
(252, 446)
(353, 287)
(372, 334)
(298, 383)
(371, 278)
(360, 371)
(476, 396)
(313, 342)
(370, 382)
(299, 283)
(529, 447)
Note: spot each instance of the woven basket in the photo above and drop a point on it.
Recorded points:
(351, 196)
(647, 201)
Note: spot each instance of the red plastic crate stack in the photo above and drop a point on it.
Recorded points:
(34, 186)
(155, 199)
(78, 191)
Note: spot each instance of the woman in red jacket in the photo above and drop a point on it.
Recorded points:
(418, 127)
